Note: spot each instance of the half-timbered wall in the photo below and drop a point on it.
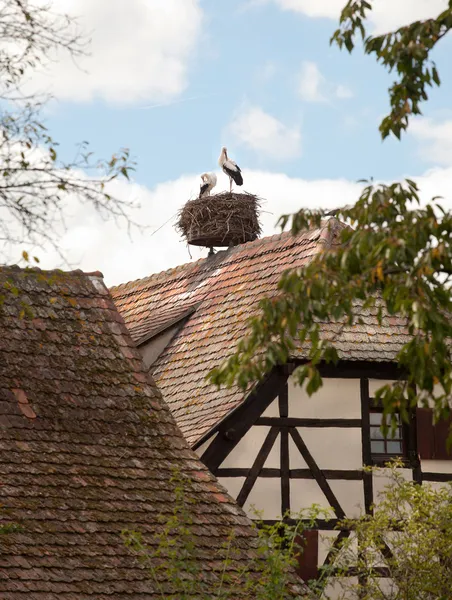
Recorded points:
(297, 450)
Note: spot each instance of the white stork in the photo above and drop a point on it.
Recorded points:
(209, 181)
(231, 168)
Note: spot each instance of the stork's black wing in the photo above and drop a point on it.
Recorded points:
(233, 171)
(203, 189)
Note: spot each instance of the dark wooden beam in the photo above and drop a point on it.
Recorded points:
(410, 432)
(355, 475)
(360, 573)
(317, 473)
(285, 481)
(234, 427)
(283, 401)
(257, 465)
(243, 472)
(361, 369)
(320, 524)
(439, 477)
(365, 443)
(296, 422)
(353, 369)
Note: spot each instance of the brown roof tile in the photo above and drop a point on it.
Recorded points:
(226, 288)
(87, 448)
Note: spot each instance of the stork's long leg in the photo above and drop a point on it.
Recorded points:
(230, 185)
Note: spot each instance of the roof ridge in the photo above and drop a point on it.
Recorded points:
(259, 242)
(77, 272)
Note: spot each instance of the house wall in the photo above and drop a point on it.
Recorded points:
(332, 448)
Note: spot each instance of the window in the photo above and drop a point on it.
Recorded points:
(385, 447)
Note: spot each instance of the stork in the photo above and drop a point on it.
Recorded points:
(231, 169)
(209, 181)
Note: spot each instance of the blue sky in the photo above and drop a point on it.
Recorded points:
(300, 117)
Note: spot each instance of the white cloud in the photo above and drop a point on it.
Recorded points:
(343, 92)
(313, 86)
(385, 15)
(388, 15)
(324, 8)
(311, 82)
(265, 134)
(93, 244)
(435, 139)
(140, 51)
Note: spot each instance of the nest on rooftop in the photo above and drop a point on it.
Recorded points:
(225, 219)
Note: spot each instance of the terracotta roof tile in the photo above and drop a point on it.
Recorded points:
(87, 448)
(226, 288)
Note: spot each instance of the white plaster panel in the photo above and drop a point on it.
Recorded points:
(244, 454)
(334, 447)
(272, 410)
(382, 479)
(296, 461)
(436, 466)
(304, 493)
(437, 485)
(336, 399)
(326, 539)
(376, 384)
(350, 495)
(265, 497)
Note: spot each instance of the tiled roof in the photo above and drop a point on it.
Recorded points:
(88, 448)
(227, 288)
(159, 321)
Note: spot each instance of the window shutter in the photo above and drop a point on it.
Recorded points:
(441, 433)
(425, 440)
(308, 557)
(432, 439)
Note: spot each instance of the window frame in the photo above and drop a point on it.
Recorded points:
(381, 458)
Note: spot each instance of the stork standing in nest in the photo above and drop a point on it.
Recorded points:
(209, 181)
(231, 169)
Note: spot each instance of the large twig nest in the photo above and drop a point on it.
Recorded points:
(226, 219)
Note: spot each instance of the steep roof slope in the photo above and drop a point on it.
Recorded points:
(225, 288)
(88, 448)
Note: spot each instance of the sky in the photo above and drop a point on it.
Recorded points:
(174, 80)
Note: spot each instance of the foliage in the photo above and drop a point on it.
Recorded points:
(34, 181)
(402, 551)
(406, 51)
(395, 258)
(417, 521)
(177, 565)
